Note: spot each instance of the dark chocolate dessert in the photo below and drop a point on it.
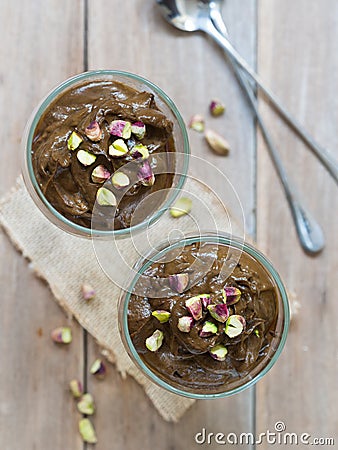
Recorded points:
(86, 137)
(207, 332)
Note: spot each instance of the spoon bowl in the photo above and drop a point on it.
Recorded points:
(186, 15)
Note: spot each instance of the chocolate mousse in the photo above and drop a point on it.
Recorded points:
(85, 137)
(199, 328)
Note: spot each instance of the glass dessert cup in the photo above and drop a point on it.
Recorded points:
(233, 386)
(181, 158)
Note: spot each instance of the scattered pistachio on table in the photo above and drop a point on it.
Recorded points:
(98, 368)
(62, 335)
(87, 431)
(217, 142)
(76, 388)
(86, 405)
(216, 108)
(88, 292)
(181, 207)
(197, 123)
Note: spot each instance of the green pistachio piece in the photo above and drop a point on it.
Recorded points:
(234, 325)
(118, 148)
(197, 123)
(219, 352)
(105, 197)
(154, 342)
(181, 207)
(161, 315)
(120, 180)
(208, 329)
(74, 141)
(86, 405)
(87, 431)
(86, 158)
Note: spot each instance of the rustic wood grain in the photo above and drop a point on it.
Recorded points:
(298, 58)
(40, 47)
(192, 71)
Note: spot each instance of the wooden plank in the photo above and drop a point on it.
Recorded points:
(40, 47)
(298, 57)
(192, 71)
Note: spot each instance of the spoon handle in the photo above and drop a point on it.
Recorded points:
(325, 157)
(309, 232)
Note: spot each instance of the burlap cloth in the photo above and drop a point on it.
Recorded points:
(66, 262)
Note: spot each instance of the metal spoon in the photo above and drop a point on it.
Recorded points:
(309, 232)
(193, 15)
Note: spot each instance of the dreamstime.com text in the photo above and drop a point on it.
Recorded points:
(278, 436)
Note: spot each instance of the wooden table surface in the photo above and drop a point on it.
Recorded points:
(294, 45)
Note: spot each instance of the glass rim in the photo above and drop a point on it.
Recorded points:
(31, 126)
(221, 238)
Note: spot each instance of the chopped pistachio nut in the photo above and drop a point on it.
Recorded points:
(120, 180)
(86, 158)
(179, 282)
(219, 352)
(181, 207)
(185, 324)
(138, 129)
(62, 335)
(216, 108)
(154, 342)
(86, 405)
(93, 131)
(139, 151)
(197, 123)
(120, 128)
(145, 174)
(76, 388)
(100, 174)
(234, 325)
(105, 197)
(118, 148)
(161, 315)
(257, 333)
(74, 141)
(88, 292)
(217, 142)
(194, 306)
(87, 431)
(98, 368)
(219, 312)
(208, 329)
(231, 295)
(206, 299)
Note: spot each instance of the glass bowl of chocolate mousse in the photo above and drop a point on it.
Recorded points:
(204, 317)
(92, 152)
